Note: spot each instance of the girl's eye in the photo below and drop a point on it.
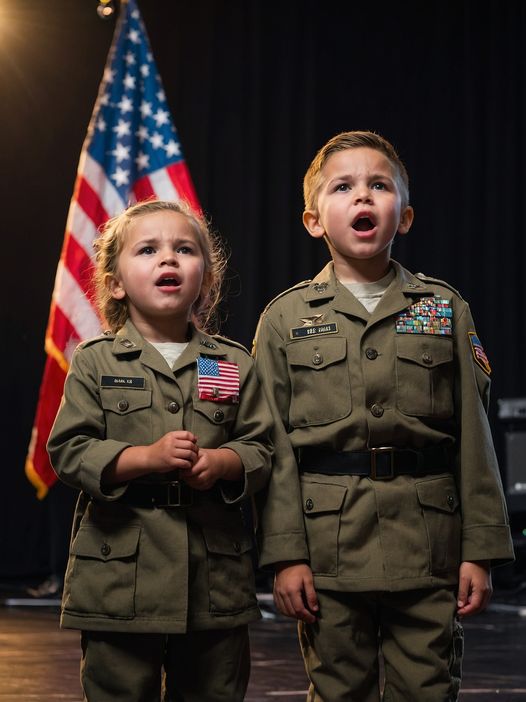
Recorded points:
(342, 188)
(184, 249)
(147, 250)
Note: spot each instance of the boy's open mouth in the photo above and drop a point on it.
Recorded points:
(363, 224)
(168, 281)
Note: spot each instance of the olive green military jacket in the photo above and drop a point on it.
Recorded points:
(157, 570)
(341, 378)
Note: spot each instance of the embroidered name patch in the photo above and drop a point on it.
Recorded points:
(217, 380)
(429, 315)
(478, 353)
(313, 330)
(121, 381)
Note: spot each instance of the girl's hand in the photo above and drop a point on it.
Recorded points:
(175, 450)
(211, 466)
(474, 587)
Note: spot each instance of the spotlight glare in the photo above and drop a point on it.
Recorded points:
(105, 9)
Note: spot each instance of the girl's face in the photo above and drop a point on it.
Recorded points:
(160, 274)
(359, 211)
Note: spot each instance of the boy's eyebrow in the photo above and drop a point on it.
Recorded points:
(372, 176)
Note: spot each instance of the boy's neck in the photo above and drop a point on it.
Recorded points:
(357, 271)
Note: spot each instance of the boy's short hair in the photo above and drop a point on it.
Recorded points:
(352, 140)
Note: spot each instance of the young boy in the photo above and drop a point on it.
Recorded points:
(385, 508)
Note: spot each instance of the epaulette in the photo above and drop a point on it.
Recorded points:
(105, 336)
(228, 342)
(429, 279)
(303, 284)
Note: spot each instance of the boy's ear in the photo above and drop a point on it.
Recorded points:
(406, 220)
(313, 224)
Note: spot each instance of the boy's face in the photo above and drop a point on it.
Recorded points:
(359, 212)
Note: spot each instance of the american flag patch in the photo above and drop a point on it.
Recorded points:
(217, 380)
(478, 353)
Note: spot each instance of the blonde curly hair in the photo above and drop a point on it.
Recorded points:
(109, 245)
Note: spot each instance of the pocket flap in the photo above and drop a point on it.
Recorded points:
(424, 350)
(123, 401)
(226, 544)
(440, 493)
(322, 497)
(216, 412)
(91, 542)
(317, 353)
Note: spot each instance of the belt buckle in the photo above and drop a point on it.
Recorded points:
(176, 495)
(374, 472)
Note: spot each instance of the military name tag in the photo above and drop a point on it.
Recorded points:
(121, 381)
(429, 315)
(313, 330)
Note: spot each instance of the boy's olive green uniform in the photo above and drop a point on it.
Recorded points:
(389, 478)
(185, 564)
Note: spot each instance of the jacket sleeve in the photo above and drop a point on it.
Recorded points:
(485, 527)
(250, 439)
(281, 530)
(77, 446)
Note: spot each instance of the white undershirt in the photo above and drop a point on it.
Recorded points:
(370, 294)
(170, 350)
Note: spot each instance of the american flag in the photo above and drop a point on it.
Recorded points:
(131, 152)
(217, 380)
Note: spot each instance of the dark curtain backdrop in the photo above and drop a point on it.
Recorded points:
(255, 88)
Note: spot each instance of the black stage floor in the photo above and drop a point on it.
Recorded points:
(39, 662)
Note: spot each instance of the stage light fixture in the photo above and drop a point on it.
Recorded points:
(105, 8)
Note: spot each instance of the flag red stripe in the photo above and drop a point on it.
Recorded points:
(79, 264)
(180, 177)
(90, 202)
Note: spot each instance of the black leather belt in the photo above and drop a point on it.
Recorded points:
(380, 463)
(175, 493)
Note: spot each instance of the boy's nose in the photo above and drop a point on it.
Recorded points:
(362, 194)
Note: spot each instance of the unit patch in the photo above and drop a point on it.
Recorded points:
(121, 381)
(429, 315)
(478, 353)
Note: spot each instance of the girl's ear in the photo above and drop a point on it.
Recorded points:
(312, 224)
(406, 220)
(116, 288)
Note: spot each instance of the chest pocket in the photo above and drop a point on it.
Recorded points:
(424, 375)
(321, 388)
(127, 413)
(212, 421)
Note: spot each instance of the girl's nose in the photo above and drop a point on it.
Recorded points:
(169, 258)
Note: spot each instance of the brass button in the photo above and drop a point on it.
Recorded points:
(451, 501)
(309, 504)
(105, 549)
(173, 407)
(427, 358)
(317, 359)
(237, 546)
(371, 353)
(122, 405)
(219, 415)
(377, 410)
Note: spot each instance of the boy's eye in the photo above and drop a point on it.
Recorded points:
(379, 186)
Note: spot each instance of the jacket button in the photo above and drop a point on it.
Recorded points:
(105, 549)
(173, 407)
(450, 500)
(427, 358)
(317, 359)
(309, 504)
(219, 415)
(122, 405)
(237, 546)
(371, 353)
(377, 410)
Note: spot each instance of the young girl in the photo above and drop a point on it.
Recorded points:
(165, 431)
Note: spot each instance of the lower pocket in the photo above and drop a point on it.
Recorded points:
(101, 574)
(322, 504)
(440, 508)
(231, 582)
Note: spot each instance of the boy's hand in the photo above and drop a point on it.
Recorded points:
(212, 465)
(474, 587)
(294, 591)
(174, 450)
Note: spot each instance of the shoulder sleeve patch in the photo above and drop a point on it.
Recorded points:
(479, 355)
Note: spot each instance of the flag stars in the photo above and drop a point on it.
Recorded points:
(104, 99)
(122, 128)
(142, 133)
(133, 36)
(156, 140)
(172, 148)
(146, 109)
(145, 70)
(121, 176)
(129, 82)
(125, 105)
(161, 117)
(121, 152)
(142, 161)
(101, 125)
(130, 59)
(109, 75)
(161, 96)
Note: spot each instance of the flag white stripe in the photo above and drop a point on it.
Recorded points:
(163, 186)
(96, 177)
(75, 306)
(82, 228)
